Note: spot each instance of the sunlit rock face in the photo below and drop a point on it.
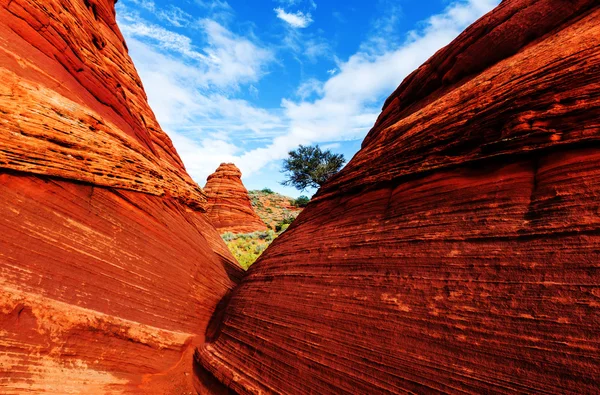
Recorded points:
(229, 207)
(109, 269)
(459, 251)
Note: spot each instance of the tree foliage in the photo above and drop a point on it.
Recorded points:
(309, 166)
(302, 201)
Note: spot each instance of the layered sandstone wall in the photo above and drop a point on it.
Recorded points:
(229, 207)
(109, 270)
(459, 250)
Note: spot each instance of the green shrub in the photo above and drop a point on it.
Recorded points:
(268, 191)
(302, 201)
(267, 236)
(283, 225)
(247, 247)
(228, 236)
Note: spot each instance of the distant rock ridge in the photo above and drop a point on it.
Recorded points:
(229, 207)
(273, 208)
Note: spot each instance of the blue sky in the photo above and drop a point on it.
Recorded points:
(246, 81)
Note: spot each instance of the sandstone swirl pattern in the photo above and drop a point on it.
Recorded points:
(459, 251)
(109, 270)
(228, 207)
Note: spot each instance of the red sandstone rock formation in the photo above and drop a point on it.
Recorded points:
(229, 207)
(109, 271)
(459, 251)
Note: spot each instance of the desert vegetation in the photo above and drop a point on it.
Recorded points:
(277, 211)
(247, 247)
(274, 208)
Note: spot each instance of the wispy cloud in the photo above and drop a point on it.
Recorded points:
(225, 60)
(193, 87)
(309, 87)
(297, 3)
(350, 101)
(384, 29)
(316, 48)
(176, 16)
(163, 38)
(296, 19)
(172, 14)
(213, 4)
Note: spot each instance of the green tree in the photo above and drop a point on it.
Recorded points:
(309, 166)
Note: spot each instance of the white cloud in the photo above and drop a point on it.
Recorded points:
(163, 38)
(234, 57)
(296, 3)
(298, 19)
(176, 16)
(173, 15)
(226, 60)
(309, 87)
(190, 88)
(206, 126)
(179, 97)
(331, 146)
(213, 4)
(253, 91)
(147, 4)
(351, 100)
(384, 29)
(305, 44)
(316, 48)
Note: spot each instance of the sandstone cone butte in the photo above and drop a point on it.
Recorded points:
(109, 270)
(229, 207)
(458, 251)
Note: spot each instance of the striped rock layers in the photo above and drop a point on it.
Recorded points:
(459, 250)
(229, 207)
(109, 269)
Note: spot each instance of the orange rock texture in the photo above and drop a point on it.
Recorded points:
(229, 207)
(459, 250)
(109, 269)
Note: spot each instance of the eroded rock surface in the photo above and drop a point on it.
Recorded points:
(459, 250)
(229, 207)
(109, 270)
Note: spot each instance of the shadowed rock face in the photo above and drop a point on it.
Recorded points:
(459, 250)
(229, 207)
(109, 270)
